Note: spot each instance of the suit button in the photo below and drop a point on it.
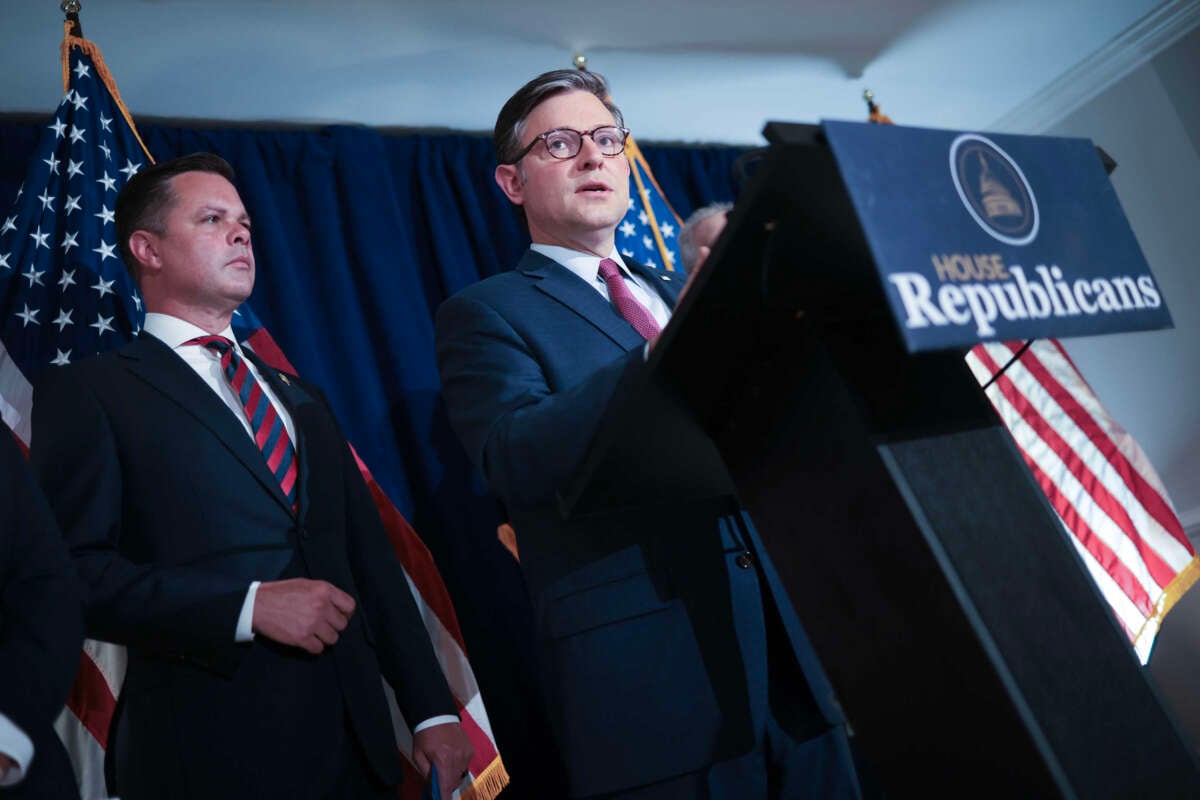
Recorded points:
(744, 559)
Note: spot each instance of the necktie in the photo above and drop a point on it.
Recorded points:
(265, 423)
(634, 312)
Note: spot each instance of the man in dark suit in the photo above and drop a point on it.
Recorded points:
(41, 630)
(218, 520)
(673, 665)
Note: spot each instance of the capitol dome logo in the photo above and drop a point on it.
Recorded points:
(994, 189)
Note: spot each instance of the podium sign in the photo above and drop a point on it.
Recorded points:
(994, 237)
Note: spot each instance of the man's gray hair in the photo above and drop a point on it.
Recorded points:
(689, 251)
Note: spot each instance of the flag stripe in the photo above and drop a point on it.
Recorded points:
(1147, 497)
(1098, 470)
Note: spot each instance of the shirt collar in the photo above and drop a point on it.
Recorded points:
(585, 265)
(174, 331)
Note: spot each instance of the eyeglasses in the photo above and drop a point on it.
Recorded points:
(564, 143)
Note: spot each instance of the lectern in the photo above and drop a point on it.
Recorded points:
(968, 646)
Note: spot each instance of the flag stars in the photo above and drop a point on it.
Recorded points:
(667, 230)
(74, 168)
(53, 163)
(61, 359)
(104, 287)
(627, 228)
(642, 218)
(81, 69)
(63, 319)
(630, 204)
(107, 152)
(29, 315)
(105, 122)
(105, 215)
(627, 253)
(106, 252)
(110, 183)
(33, 276)
(130, 169)
(73, 204)
(47, 199)
(66, 98)
(4, 260)
(67, 278)
(137, 302)
(58, 126)
(102, 325)
(79, 102)
(10, 224)
(40, 238)
(69, 241)
(647, 242)
(77, 135)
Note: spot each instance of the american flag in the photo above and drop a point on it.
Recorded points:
(66, 295)
(1107, 495)
(648, 232)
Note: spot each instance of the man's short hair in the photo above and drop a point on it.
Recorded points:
(146, 199)
(510, 123)
(689, 250)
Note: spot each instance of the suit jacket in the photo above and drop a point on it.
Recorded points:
(41, 625)
(637, 617)
(170, 513)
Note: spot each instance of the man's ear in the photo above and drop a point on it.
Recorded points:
(510, 181)
(144, 246)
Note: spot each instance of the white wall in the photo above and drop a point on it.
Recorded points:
(1150, 382)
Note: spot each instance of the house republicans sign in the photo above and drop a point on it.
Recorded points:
(994, 237)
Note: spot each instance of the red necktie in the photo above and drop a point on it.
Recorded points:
(634, 312)
(265, 423)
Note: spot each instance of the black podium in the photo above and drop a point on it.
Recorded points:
(971, 651)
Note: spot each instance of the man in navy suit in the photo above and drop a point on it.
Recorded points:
(41, 630)
(673, 665)
(218, 520)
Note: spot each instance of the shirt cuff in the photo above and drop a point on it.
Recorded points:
(17, 746)
(245, 625)
(444, 719)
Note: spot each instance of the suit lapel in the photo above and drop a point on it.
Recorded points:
(555, 280)
(668, 285)
(153, 362)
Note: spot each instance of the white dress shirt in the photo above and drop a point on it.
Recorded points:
(587, 267)
(174, 332)
(15, 744)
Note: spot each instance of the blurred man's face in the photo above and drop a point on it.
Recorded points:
(705, 235)
(575, 202)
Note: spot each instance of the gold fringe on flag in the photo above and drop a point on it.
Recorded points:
(1168, 598)
(636, 160)
(488, 783)
(102, 73)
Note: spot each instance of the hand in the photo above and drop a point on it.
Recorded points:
(449, 748)
(6, 764)
(301, 612)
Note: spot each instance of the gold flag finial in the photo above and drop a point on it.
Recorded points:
(71, 9)
(873, 112)
(580, 61)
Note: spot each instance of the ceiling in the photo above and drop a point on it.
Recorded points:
(681, 71)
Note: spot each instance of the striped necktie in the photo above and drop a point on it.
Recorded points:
(633, 311)
(265, 423)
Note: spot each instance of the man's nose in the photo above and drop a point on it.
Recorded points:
(589, 156)
(239, 233)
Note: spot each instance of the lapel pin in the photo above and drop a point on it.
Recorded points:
(285, 380)
(665, 277)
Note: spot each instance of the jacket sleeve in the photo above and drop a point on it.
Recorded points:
(175, 610)
(525, 437)
(41, 610)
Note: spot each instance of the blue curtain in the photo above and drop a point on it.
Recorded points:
(359, 236)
